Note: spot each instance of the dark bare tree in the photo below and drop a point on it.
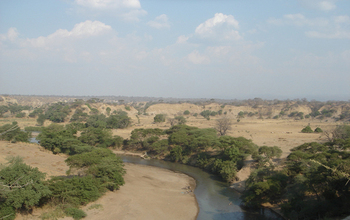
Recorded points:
(223, 125)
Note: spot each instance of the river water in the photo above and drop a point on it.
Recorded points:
(215, 199)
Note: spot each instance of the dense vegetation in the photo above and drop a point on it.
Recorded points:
(11, 132)
(222, 155)
(314, 181)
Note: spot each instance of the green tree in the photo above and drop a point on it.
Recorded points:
(100, 163)
(12, 132)
(307, 129)
(108, 110)
(180, 120)
(41, 119)
(159, 118)
(22, 186)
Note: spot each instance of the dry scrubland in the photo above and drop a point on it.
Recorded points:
(149, 187)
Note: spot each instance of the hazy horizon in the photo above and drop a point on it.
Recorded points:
(180, 49)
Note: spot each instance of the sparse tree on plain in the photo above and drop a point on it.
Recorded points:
(223, 125)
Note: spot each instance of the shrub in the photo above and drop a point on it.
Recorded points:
(77, 190)
(75, 213)
(33, 128)
(318, 130)
(307, 129)
(20, 115)
(159, 118)
(180, 120)
(11, 132)
(186, 112)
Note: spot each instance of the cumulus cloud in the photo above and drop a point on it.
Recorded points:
(220, 27)
(160, 22)
(81, 30)
(107, 4)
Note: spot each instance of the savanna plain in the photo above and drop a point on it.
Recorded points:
(244, 142)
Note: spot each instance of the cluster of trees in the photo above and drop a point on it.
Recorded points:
(93, 170)
(63, 139)
(308, 129)
(12, 132)
(14, 109)
(207, 113)
(58, 112)
(314, 181)
(222, 155)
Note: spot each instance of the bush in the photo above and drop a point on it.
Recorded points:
(20, 115)
(77, 190)
(307, 129)
(318, 130)
(180, 120)
(186, 112)
(159, 118)
(7, 212)
(33, 128)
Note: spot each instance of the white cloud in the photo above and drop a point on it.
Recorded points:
(128, 10)
(133, 15)
(196, 58)
(11, 35)
(81, 30)
(107, 4)
(218, 20)
(326, 5)
(219, 27)
(160, 22)
(182, 39)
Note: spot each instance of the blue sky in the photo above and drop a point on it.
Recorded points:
(176, 48)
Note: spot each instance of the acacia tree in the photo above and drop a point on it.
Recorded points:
(21, 187)
(223, 125)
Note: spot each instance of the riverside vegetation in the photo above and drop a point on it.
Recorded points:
(312, 183)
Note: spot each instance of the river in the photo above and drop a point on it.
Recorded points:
(216, 200)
